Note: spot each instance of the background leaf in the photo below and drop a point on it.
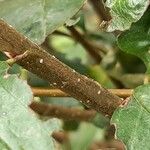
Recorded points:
(19, 126)
(125, 12)
(3, 145)
(38, 18)
(136, 41)
(133, 121)
(80, 143)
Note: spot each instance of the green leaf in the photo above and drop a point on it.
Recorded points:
(3, 145)
(97, 73)
(136, 41)
(133, 121)
(125, 12)
(38, 18)
(20, 129)
(71, 49)
(60, 11)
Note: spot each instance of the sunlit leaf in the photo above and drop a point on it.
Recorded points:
(125, 12)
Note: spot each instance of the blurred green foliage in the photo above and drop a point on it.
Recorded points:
(117, 69)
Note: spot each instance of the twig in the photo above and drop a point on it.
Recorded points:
(100, 10)
(46, 66)
(107, 145)
(62, 112)
(48, 92)
(57, 32)
(85, 43)
(123, 93)
(93, 45)
(69, 114)
(61, 137)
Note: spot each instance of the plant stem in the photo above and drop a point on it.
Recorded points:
(86, 44)
(61, 137)
(46, 66)
(37, 91)
(57, 32)
(62, 112)
(101, 11)
(93, 45)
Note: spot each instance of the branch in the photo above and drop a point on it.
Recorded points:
(94, 46)
(123, 93)
(61, 137)
(46, 66)
(48, 92)
(86, 44)
(100, 9)
(57, 32)
(107, 145)
(63, 112)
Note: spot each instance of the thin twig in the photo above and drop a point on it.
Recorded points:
(123, 93)
(57, 32)
(46, 66)
(63, 138)
(48, 92)
(60, 136)
(85, 43)
(101, 11)
(62, 112)
(93, 45)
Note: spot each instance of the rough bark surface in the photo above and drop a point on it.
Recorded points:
(46, 66)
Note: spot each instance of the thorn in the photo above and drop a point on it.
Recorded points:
(125, 102)
(11, 61)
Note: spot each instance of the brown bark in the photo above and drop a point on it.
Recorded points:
(62, 112)
(101, 10)
(61, 137)
(46, 66)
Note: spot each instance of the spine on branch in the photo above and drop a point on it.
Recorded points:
(46, 66)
